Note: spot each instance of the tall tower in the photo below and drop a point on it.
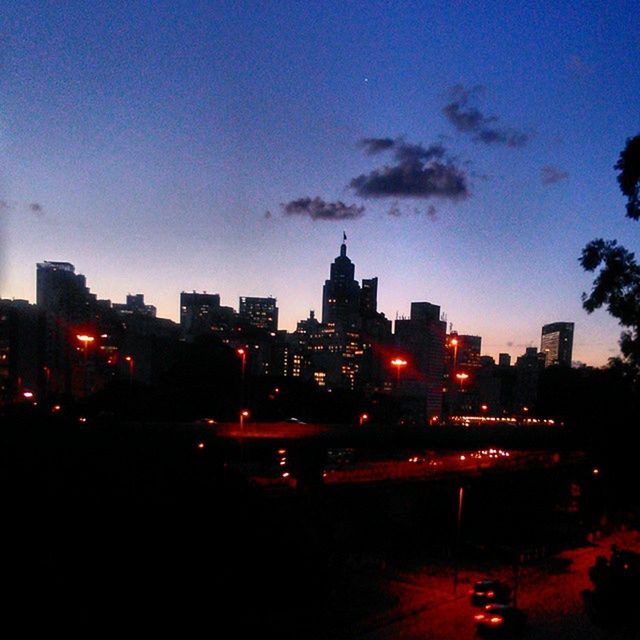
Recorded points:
(557, 343)
(341, 292)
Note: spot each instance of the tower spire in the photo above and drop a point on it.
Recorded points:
(343, 246)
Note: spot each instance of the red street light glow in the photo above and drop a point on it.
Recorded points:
(85, 338)
(462, 376)
(28, 394)
(398, 362)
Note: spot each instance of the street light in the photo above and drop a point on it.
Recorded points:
(86, 340)
(398, 363)
(461, 378)
(454, 342)
(130, 360)
(243, 414)
(363, 418)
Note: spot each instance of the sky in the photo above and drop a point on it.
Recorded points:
(465, 148)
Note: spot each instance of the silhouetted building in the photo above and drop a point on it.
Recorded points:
(528, 368)
(504, 360)
(421, 340)
(259, 312)
(202, 314)
(341, 293)
(23, 376)
(557, 343)
(135, 305)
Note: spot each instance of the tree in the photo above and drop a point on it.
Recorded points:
(617, 285)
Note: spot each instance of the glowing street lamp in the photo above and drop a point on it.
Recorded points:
(85, 340)
(130, 361)
(398, 363)
(461, 378)
(363, 418)
(243, 414)
(454, 343)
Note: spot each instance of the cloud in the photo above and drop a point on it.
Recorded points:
(268, 214)
(36, 207)
(467, 118)
(317, 209)
(552, 175)
(418, 172)
(396, 211)
(376, 145)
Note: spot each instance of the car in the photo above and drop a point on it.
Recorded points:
(500, 619)
(488, 591)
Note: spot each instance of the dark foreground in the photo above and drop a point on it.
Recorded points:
(119, 530)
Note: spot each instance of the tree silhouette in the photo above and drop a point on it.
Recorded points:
(617, 285)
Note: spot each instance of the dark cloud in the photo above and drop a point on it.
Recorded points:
(376, 145)
(418, 172)
(551, 175)
(396, 211)
(467, 118)
(317, 209)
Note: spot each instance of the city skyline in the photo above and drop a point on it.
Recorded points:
(267, 311)
(466, 152)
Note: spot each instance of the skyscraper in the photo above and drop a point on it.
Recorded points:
(421, 338)
(259, 312)
(341, 293)
(557, 343)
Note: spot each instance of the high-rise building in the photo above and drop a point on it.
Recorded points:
(259, 312)
(341, 293)
(557, 343)
(421, 340)
(63, 293)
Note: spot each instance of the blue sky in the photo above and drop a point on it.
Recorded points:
(155, 145)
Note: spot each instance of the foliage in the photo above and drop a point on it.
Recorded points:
(617, 285)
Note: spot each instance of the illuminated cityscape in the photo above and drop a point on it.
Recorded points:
(320, 320)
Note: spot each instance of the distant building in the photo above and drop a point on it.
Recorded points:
(23, 375)
(421, 341)
(504, 360)
(202, 314)
(557, 343)
(63, 293)
(528, 368)
(135, 305)
(341, 293)
(261, 313)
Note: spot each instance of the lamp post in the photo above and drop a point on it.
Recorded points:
(454, 343)
(242, 352)
(130, 361)
(85, 340)
(398, 363)
(461, 379)
(243, 414)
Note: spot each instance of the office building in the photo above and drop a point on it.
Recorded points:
(261, 313)
(557, 343)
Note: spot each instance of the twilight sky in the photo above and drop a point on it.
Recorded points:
(466, 149)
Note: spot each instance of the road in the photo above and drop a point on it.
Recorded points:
(550, 593)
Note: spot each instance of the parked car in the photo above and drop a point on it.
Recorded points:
(500, 619)
(489, 591)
